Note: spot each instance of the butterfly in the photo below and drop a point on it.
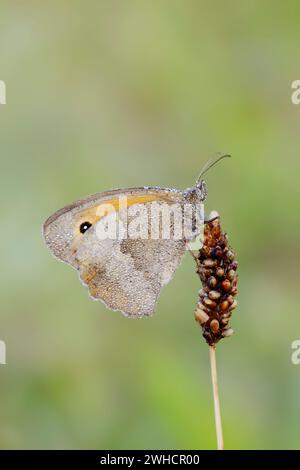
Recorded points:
(122, 248)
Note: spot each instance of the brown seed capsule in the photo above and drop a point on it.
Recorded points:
(230, 299)
(220, 272)
(234, 305)
(230, 255)
(205, 251)
(231, 274)
(227, 315)
(214, 326)
(226, 285)
(206, 273)
(224, 305)
(214, 295)
(207, 335)
(217, 252)
(209, 263)
(201, 316)
(234, 265)
(228, 332)
(212, 281)
(210, 303)
(225, 320)
(201, 306)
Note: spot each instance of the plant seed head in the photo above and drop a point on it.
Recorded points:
(216, 267)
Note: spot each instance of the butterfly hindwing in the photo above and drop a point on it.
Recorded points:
(128, 275)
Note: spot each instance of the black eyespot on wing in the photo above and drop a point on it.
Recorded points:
(84, 226)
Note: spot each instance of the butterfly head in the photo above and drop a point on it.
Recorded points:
(201, 190)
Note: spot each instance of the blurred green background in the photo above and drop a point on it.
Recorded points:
(106, 94)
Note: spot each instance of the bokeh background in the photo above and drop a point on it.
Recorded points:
(106, 94)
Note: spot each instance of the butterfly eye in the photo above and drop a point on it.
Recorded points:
(84, 226)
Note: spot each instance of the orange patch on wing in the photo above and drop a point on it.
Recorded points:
(95, 213)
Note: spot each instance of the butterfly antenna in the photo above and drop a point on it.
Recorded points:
(212, 162)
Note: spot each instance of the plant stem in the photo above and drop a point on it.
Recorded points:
(214, 378)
